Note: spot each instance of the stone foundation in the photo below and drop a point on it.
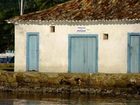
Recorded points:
(68, 83)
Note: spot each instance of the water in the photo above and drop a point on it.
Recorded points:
(63, 102)
(8, 99)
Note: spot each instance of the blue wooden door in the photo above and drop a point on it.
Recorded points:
(32, 51)
(134, 53)
(83, 54)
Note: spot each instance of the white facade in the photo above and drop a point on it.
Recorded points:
(53, 47)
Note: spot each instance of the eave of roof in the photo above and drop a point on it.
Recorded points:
(77, 22)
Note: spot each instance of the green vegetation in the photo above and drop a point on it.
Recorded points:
(9, 9)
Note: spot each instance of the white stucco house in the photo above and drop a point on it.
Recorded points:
(86, 36)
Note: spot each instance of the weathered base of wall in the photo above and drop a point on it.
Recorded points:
(125, 85)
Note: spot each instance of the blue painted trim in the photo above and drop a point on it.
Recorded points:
(70, 36)
(97, 54)
(129, 52)
(27, 49)
(69, 54)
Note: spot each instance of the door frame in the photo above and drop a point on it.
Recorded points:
(85, 36)
(27, 49)
(128, 50)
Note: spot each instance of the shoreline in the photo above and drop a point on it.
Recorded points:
(124, 85)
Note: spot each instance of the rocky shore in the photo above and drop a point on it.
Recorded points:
(126, 85)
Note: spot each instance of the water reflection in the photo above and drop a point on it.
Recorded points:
(64, 102)
(21, 99)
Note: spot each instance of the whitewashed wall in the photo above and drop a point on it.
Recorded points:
(53, 48)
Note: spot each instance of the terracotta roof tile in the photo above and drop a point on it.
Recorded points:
(88, 10)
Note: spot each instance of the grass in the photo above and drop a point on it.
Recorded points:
(6, 67)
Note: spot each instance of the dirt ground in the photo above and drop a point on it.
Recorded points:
(6, 66)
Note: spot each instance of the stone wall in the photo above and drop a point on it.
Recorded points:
(67, 83)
